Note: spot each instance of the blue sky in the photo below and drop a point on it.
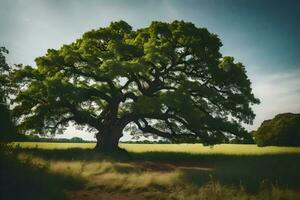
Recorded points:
(263, 35)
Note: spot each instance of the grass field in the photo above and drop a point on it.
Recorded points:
(227, 149)
(168, 171)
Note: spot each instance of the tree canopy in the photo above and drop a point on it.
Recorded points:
(282, 130)
(7, 128)
(168, 79)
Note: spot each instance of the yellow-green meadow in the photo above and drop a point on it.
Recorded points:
(227, 149)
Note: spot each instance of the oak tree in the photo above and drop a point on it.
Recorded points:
(168, 79)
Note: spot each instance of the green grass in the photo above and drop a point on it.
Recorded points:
(185, 171)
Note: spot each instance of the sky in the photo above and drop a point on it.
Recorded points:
(263, 35)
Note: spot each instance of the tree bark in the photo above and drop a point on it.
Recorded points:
(111, 130)
(108, 139)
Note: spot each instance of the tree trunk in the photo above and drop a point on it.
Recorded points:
(111, 131)
(108, 140)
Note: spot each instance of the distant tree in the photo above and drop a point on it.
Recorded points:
(7, 128)
(76, 139)
(282, 130)
(168, 79)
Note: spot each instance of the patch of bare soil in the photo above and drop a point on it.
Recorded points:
(170, 166)
(99, 195)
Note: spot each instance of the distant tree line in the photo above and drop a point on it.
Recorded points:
(35, 138)
(146, 142)
(248, 140)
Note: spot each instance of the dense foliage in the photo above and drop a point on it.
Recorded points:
(282, 130)
(168, 79)
(7, 128)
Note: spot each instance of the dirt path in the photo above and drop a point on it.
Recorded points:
(169, 166)
(98, 195)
